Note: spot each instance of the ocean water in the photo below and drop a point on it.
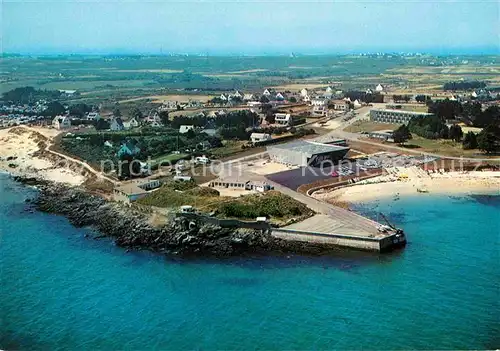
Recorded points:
(61, 290)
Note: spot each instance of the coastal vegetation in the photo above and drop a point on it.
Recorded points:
(273, 204)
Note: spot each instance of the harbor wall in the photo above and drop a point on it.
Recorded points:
(386, 243)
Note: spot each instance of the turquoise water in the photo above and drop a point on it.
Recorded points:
(61, 290)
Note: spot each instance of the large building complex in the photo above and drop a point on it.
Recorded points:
(306, 153)
(395, 116)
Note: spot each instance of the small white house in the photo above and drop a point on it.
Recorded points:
(185, 128)
(93, 116)
(284, 119)
(304, 93)
(318, 102)
(279, 97)
(223, 97)
(258, 137)
(237, 94)
(132, 123)
(116, 124)
(379, 88)
(357, 104)
(266, 92)
(248, 97)
(61, 122)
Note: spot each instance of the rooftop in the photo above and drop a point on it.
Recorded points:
(130, 189)
(403, 111)
(309, 147)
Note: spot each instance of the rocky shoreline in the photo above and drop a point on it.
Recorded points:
(130, 229)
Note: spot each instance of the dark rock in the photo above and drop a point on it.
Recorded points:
(132, 230)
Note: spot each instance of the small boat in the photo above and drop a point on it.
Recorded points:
(422, 190)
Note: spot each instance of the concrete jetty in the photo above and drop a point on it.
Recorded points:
(337, 226)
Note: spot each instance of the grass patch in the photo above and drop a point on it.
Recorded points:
(272, 204)
(369, 126)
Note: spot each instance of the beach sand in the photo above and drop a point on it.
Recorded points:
(453, 183)
(18, 156)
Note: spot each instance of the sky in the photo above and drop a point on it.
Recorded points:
(250, 27)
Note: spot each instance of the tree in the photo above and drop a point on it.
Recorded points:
(137, 113)
(470, 141)
(101, 124)
(490, 116)
(402, 134)
(264, 99)
(489, 139)
(54, 108)
(117, 112)
(455, 133)
(79, 110)
(292, 99)
(164, 118)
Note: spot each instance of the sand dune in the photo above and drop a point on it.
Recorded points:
(18, 156)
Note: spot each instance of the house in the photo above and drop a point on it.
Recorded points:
(379, 88)
(93, 116)
(368, 91)
(329, 90)
(318, 102)
(258, 137)
(237, 95)
(128, 149)
(132, 123)
(284, 119)
(304, 93)
(153, 119)
(185, 128)
(319, 111)
(341, 105)
(68, 93)
(223, 97)
(116, 124)
(61, 122)
(267, 93)
(248, 97)
(135, 190)
(357, 104)
(279, 97)
(238, 183)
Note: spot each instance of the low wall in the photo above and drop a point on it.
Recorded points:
(225, 223)
(363, 243)
(332, 186)
(356, 242)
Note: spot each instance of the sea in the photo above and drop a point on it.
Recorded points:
(63, 290)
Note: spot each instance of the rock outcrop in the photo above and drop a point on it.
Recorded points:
(130, 229)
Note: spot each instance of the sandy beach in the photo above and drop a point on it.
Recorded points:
(19, 155)
(415, 183)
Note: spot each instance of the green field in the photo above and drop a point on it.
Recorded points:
(129, 76)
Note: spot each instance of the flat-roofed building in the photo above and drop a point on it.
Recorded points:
(395, 116)
(306, 153)
(240, 183)
(134, 190)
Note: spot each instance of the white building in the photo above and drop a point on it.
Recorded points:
(266, 92)
(185, 128)
(61, 122)
(284, 119)
(132, 123)
(318, 102)
(304, 93)
(258, 137)
(93, 116)
(248, 97)
(116, 124)
(379, 88)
